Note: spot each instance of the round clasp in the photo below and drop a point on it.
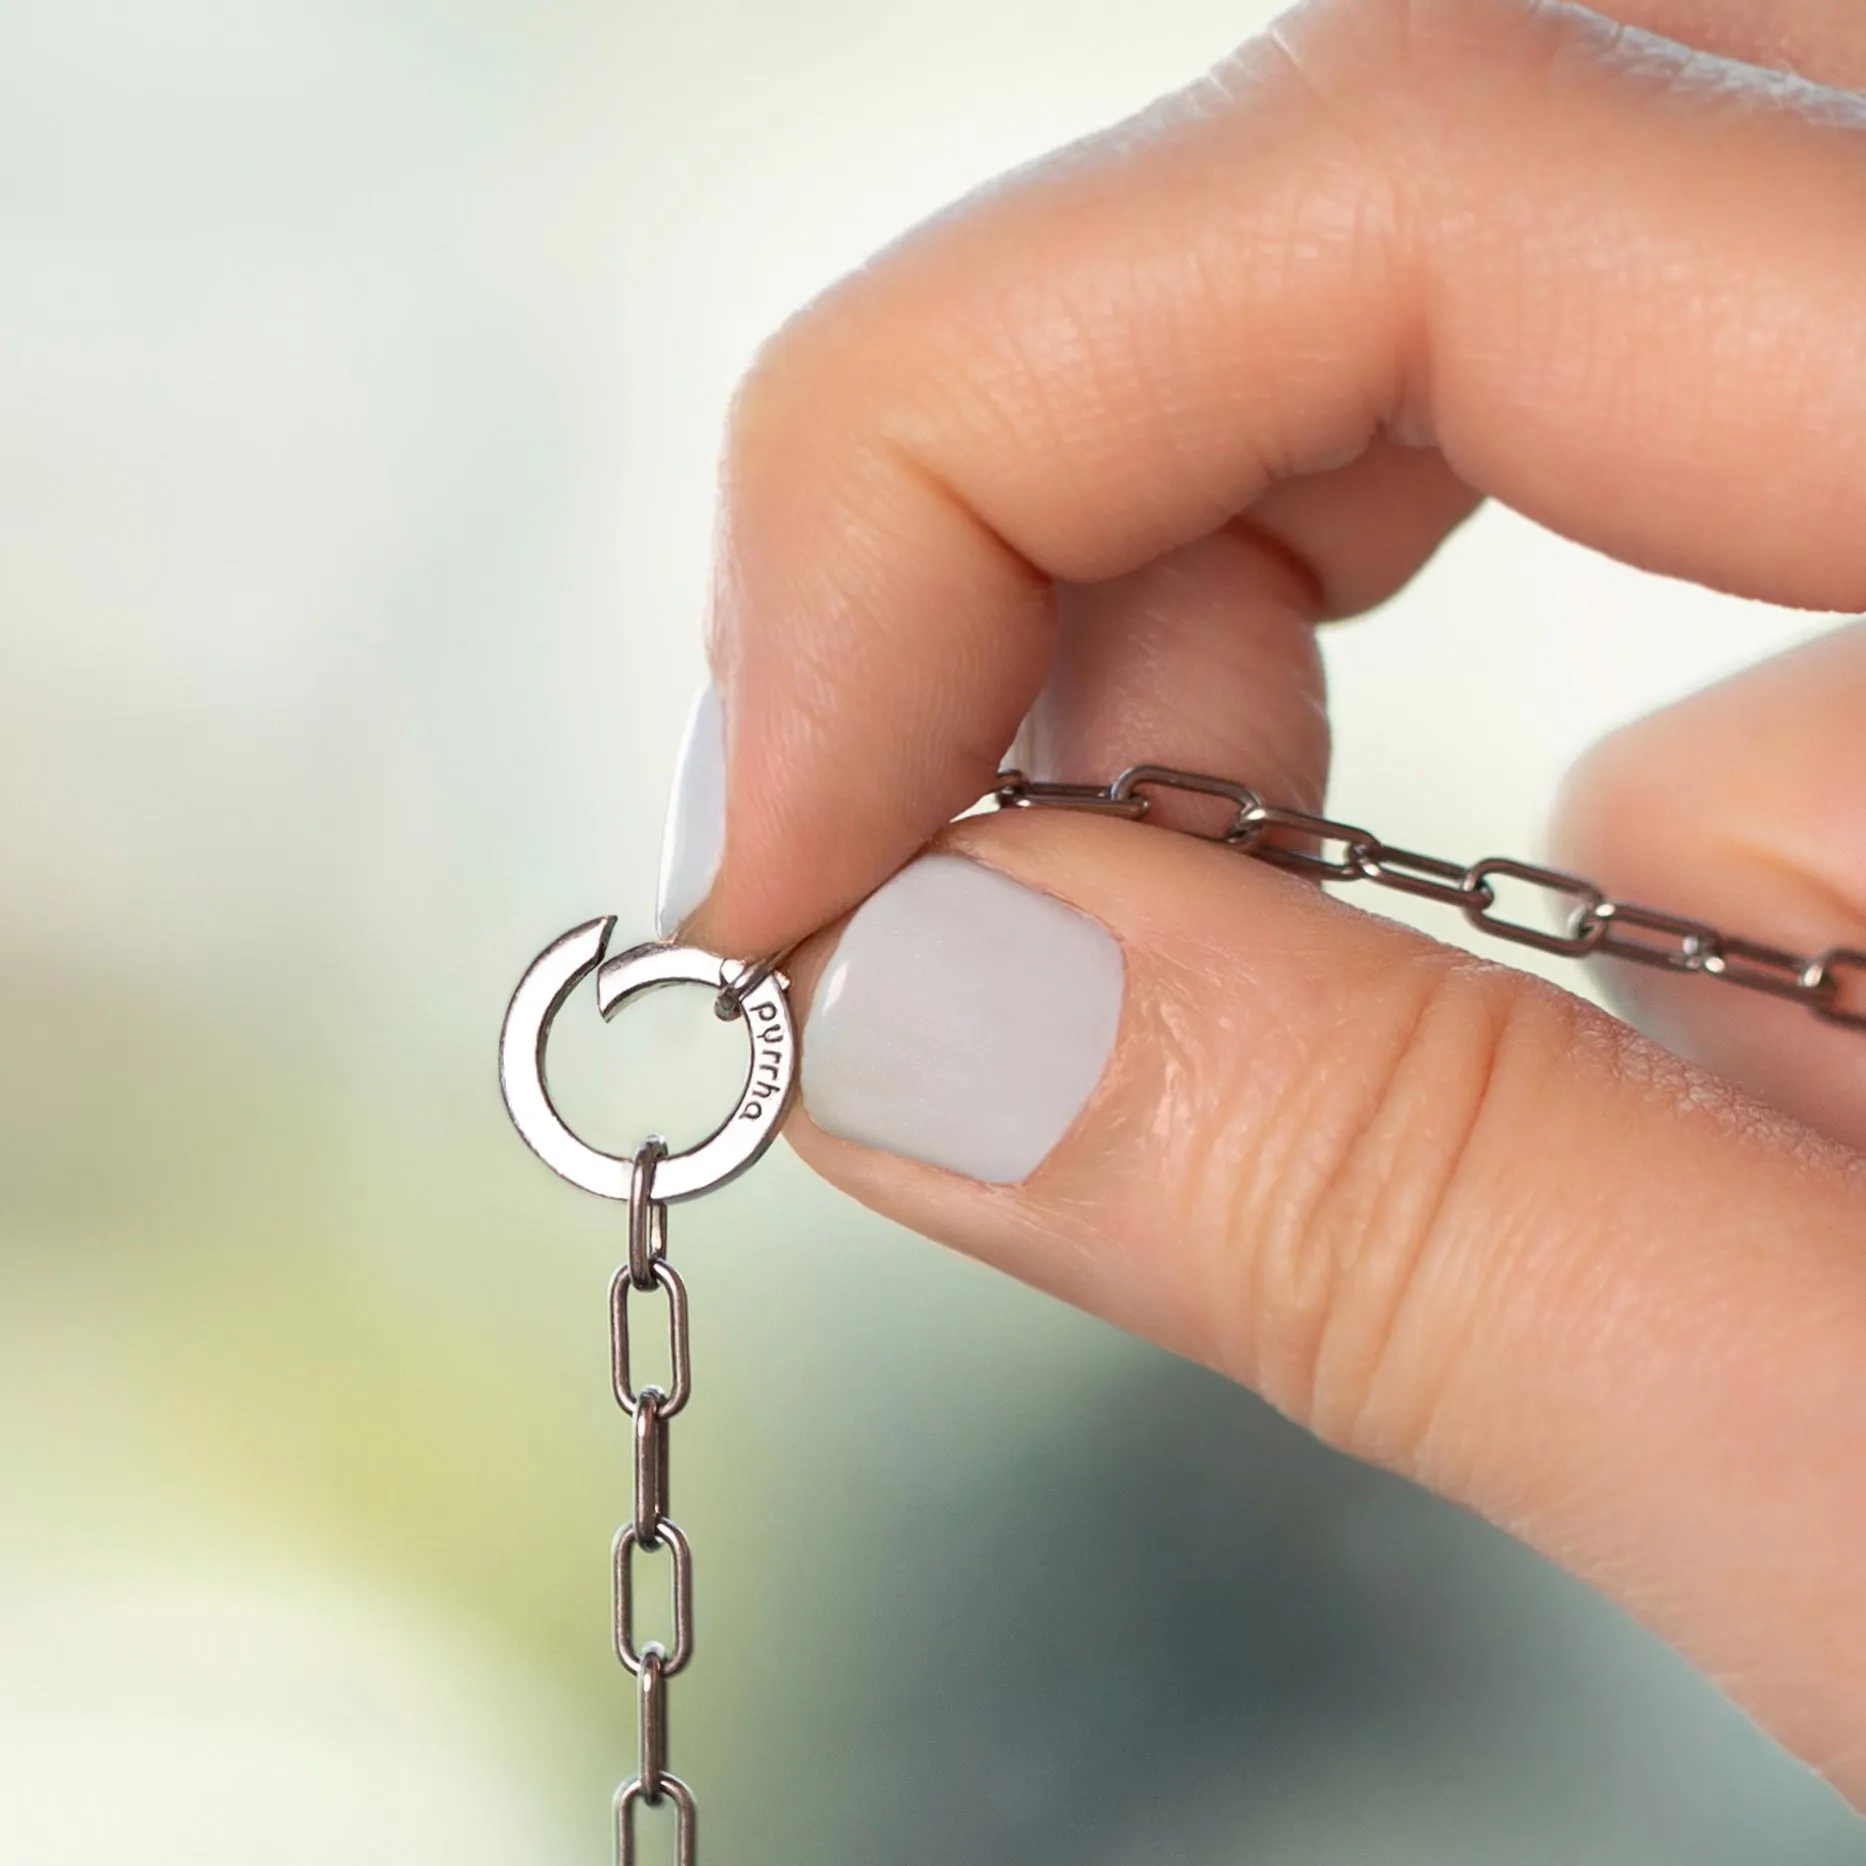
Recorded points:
(556, 972)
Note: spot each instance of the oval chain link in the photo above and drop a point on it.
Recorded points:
(633, 1794)
(663, 1276)
(1832, 984)
(650, 1528)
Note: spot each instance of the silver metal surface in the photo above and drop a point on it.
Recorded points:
(1677, 945)
(650, 1528)
(1584, 927)
(1756, 967)
(680, 1358)
(1428, 877)
(681, 1582)
(1015, 792)
(1832, 985)
(556, 972)
(650, 1433)
(647, 1215)
(1295, 840)
(741, 1139)
(633, 1795)
(1131, 786)
(738, 1141)
(730, 1002)
(651, 1720)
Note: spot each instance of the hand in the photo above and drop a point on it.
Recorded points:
(1121, 431)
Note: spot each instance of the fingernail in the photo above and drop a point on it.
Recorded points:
(695, 836)
(963, 1020)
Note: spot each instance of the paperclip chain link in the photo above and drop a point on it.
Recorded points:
(1831, 984)
(650, 1529)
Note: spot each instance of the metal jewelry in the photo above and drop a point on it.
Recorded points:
(1831, 984)
(649, 1182)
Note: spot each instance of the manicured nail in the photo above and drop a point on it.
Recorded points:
(695, 836)
(963, 1020)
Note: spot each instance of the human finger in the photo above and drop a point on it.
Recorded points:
(1823, 40)
(1207, 658)
(1450, 1218)
(1593, 271)
(1742, 807)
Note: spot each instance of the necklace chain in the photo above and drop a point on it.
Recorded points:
(648, 1183)
(1831, 984)
(651, 1528)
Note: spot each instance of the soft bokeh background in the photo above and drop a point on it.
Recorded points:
(361, 373)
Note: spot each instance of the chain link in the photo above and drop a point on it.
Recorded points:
(1832, 984)
(647, 1216)
(665, 1277)
(650, 1528)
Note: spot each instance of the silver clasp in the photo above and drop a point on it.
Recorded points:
(734, 1145)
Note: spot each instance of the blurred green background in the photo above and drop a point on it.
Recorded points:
(361, 373)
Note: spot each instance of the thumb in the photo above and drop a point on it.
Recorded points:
(1454, 1220)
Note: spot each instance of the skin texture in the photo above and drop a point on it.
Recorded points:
(1106, 442)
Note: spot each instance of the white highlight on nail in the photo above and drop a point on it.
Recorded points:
(695, 836)
(964, 1020)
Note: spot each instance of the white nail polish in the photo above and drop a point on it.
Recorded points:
(963, 1020)
(695, 836)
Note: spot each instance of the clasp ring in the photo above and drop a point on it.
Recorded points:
(734, 1145)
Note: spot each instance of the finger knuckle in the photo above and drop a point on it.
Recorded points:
(1367, 1265)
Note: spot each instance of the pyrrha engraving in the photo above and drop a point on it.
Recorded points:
(770, 1059)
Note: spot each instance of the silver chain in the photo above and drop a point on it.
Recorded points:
(1831, 984)
(651, 1528)
(756, 996)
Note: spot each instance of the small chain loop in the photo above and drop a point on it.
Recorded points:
(680, 1379)
(633, 1795)
(650, 1528)
(626, 1544)
(1681, 946)
(1131, 786)
(730, 1001)
(1426, 876)
(650, 1467)
(1258, 835)
(647, 1216)
(1585, 928)
(651, 1714)
(1754, 967)
(1832, 986)
(1017, 792)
